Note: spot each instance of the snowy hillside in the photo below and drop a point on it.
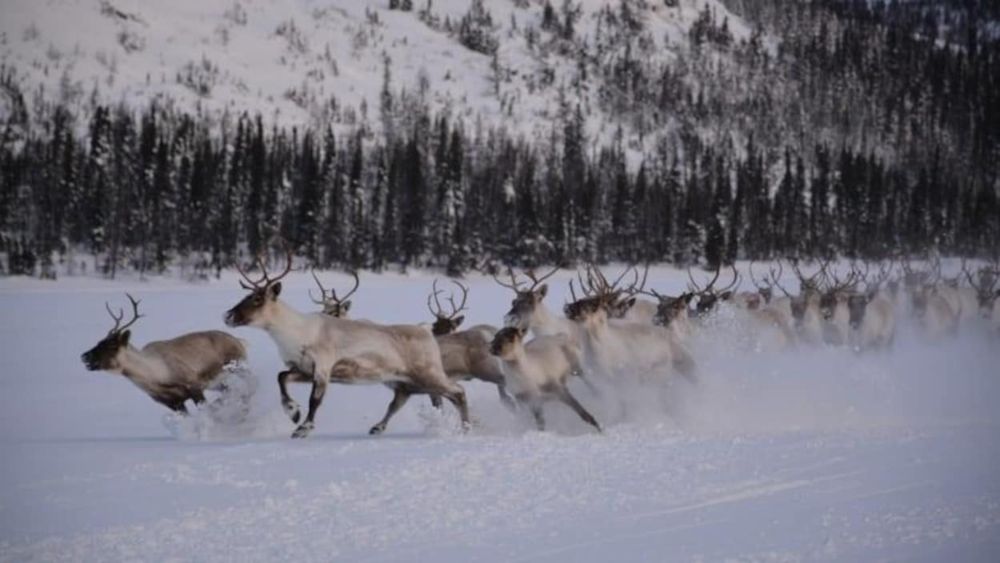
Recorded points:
(809, 455)
(306, 62)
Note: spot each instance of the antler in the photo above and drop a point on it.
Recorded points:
(121, 314)
(455, 309)
(776, 276)
(735, 282)
(839, 285)
(775, 279)
(324, 300)
(514, 284)
(265, 279)
(766, 284)
(537, 281)
(695, 288)
(637, 285)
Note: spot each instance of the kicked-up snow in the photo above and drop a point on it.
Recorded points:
(813, 454)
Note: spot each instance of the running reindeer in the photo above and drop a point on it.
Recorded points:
(332, 305)
(528, 312)
(872, 314)
(709, 296)
(616, 347)
(539, 371)
(171, 371)
(987, 293)
(465, 354)
(319, 349)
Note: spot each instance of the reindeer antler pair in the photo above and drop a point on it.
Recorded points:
(710, 287)
(455, 309)
(265, 279)
(530, 274)
(772, 274)
(118, 328)
(597, 284)
(332, 299)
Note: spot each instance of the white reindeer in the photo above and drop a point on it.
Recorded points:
(872, 321)
(617, 348)
(171, 371)
(539, 370)
(528, 312)
(320, 348)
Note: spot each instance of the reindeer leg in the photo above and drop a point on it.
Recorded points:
(536, 411)
(588, 383)
(564, 395)
(287, 402)
(401, 393)
(315, 400)
(457, 397)
(505, 397)
(436, 401)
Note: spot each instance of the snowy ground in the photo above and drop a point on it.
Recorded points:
(810, 455)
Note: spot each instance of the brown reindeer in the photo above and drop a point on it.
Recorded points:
(171, 371)
(465, 354)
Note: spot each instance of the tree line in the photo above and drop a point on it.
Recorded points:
(874, 140)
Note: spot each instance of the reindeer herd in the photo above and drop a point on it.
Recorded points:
(611, 333)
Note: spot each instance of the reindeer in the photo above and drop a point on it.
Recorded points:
(321, 348)
(936, 314)
(985, 287)
(629, 308)
(332, 305)
(708, 296)
(170, 371)
(527, 310)
(804, 307)
(465, 354)
(872, 315)
(764, 294)
(833, 308)
(539, 370)
(770, 329)
(614, 347)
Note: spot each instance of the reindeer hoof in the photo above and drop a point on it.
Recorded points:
(293, 412)
(376, 430)
(302, 431)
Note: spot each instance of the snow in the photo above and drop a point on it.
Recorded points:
(815, 454)
(293, 60)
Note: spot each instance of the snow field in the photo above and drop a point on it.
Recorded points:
(812, 454)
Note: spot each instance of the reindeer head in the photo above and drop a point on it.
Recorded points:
(257, 309)
(810, 285)
(669, 308)
(506, 342)
(601, 299)
(834, 294)
(709, 296)
(919, 297)
(446, 323)
(799, 304)
(985, 285)
(766, 288)
(527, 302)
(857, 304)
(621, 306)
(332, 305)
(913, 278)
(104, 356)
